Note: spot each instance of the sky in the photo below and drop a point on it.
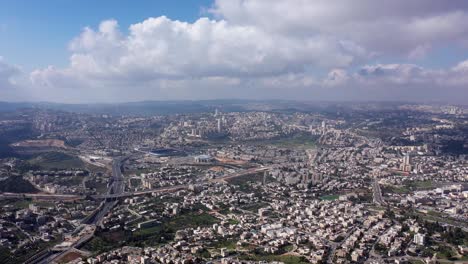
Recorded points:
(118, 51)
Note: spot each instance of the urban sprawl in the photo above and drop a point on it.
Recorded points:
(357, 183)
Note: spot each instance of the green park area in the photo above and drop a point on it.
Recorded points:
(56, 160)
(287, 259)
(151, 236)
(331, 197)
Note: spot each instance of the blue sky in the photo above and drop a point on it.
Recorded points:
(50, 25)
(122, 50)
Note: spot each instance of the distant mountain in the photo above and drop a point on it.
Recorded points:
(133, 108)
(184, 107)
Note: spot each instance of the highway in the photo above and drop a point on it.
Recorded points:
(116, 190)
(116, 187)
(41, 196)
(377, 193)
(179, 187)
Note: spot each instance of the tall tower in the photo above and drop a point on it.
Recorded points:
(219, 126)
(407, 159)
(265, 174)
(305, 179)
(406, 164)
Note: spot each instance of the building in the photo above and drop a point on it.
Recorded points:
(406, 164)
(219, 126)
(203, 159)
(419, 239)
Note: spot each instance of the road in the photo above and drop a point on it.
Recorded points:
(116, 187)
(335, 245)
(377, 193)
(179, 187)
(116, 190)
(59, 197)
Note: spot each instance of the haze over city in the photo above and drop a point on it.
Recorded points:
(87, 51)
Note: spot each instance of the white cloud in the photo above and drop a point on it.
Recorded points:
(7, 74)
(396, 26)
(402, 82)
(159, 50)
(419, 52)
(461, 67)
(162, 48)
(336, 77)
(12, 83)
(265, 49)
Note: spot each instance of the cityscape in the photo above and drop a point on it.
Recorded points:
(348, 183)
(234, 132)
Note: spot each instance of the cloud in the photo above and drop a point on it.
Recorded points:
(160, 48)
(267, 49)
(336, 77)
(13, 84)
(396, 26)
(404, 82)
(7, 74)
(419, 52)
(160, 51)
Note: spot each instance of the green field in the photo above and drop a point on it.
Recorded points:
(330, 197)
(400, 190)
(98, 244)
(287, 259)
(21, 255)
(233, 221)
(228, 244)
(16, 203)
(409, 187)
(57, 160)
(100, 187)
(245, 182)
(165, 231)
(17, 184)
(253, 207)
(421, 185)
(106, 241)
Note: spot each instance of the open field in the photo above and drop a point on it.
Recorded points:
(330, 197)
(57, 160)
(41, 143)
(166, 230)
(70, 257)
(17, 184)
(287, 259)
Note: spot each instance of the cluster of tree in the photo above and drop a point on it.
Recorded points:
(452, 235)
(16, 184)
